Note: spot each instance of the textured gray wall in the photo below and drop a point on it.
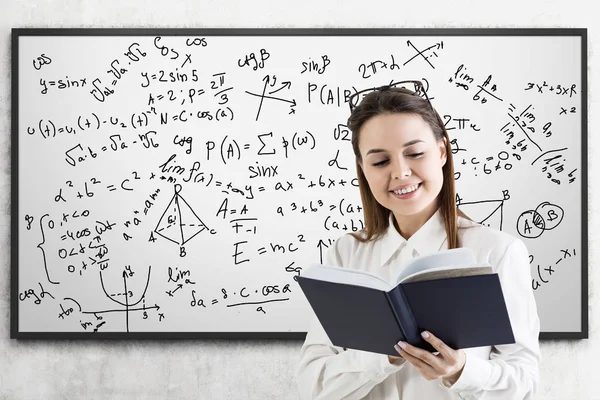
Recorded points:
(212, 369)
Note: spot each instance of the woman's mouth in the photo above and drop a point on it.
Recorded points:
(407, 192)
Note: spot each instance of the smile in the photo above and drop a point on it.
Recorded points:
(406, 190)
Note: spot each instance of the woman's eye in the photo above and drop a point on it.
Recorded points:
(416, 155)
(380, 163)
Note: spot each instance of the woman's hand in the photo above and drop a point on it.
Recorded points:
(448, 363)
(395, 360)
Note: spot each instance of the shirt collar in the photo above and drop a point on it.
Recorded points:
(428, 239)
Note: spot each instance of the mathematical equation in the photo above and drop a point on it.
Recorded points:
(176, 179)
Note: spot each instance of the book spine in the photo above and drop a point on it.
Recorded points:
(404, 315)
(393, 307)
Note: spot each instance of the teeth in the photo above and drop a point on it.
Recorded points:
(407, 190)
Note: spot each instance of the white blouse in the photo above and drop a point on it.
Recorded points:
(507, 372)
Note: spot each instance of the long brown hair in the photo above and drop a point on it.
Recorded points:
(401, 100)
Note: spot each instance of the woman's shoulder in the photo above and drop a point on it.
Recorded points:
(351, 242)
(351, 246)
(487, 242)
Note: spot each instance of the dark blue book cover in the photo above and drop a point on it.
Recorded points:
(354, 316)
(465, 311)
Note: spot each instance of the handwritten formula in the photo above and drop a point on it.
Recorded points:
(173, 183)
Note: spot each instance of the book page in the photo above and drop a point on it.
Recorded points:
(347, 276)
(447, 272)
(453, 258)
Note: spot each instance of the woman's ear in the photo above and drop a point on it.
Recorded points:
(443, 151)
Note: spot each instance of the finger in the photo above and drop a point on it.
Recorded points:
(437, 344)
(415, 361)
(425, 357)
(428, 365)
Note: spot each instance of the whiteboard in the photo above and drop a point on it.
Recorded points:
(174, 183)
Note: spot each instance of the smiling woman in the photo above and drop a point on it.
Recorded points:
(406, 180)
(402, 162)
(397, 124)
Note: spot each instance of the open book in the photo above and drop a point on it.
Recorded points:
(447, 293)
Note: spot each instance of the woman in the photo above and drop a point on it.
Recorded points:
(406, 180)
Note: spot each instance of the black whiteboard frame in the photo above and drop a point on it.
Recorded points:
(583, 333)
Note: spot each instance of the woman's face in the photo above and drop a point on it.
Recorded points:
(403, 164)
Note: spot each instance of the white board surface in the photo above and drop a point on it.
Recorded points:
(176, 182)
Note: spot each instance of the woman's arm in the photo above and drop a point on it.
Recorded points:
(513, 369)
(329, 372)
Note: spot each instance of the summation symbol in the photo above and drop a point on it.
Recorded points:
(179, 223)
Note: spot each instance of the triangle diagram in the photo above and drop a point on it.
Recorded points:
(179, 223)
(488, 213)
(168, 224)
(191, 224)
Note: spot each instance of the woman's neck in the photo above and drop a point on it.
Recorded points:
(408, 225)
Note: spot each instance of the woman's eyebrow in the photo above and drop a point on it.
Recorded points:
(409, 143)
(373, 151)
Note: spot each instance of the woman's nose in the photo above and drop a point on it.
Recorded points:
(401, 169)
